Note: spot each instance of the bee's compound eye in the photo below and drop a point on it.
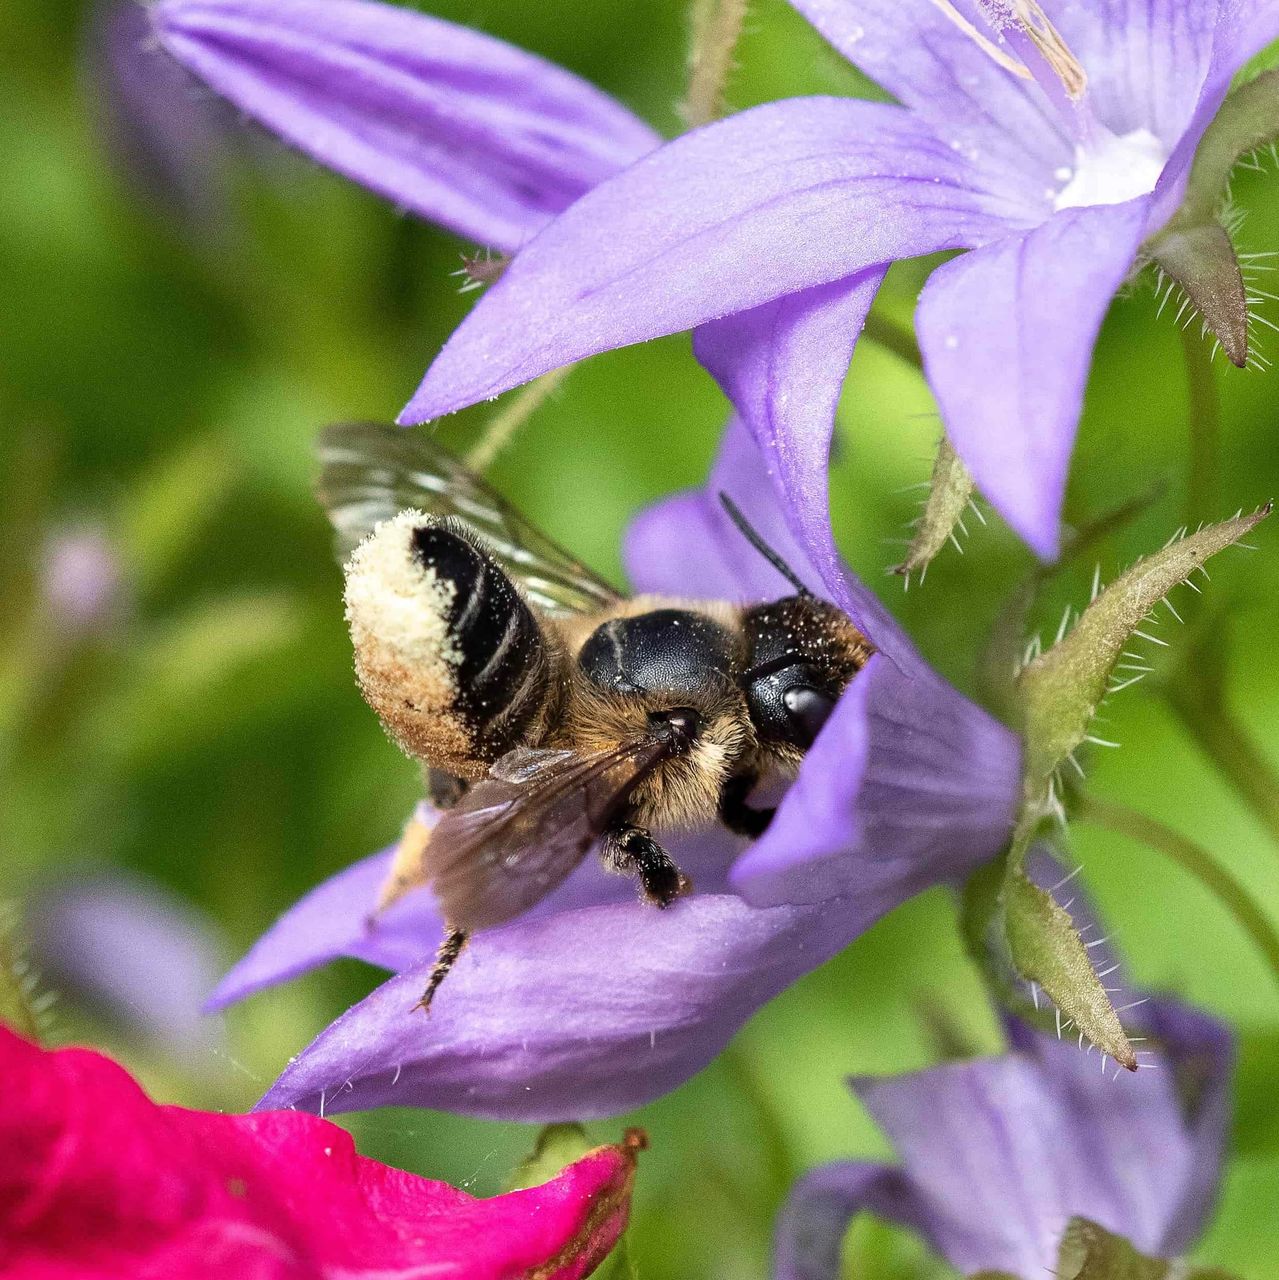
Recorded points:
(807, 709)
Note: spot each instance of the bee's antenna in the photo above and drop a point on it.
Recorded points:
(753, 536)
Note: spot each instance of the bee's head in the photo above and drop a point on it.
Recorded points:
(803, 653)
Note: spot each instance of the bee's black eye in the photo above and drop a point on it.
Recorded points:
(807, 709)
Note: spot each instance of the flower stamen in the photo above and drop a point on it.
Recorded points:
(984, 43)
(1052, 47)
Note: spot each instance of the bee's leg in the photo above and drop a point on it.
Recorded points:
(632, 849)
(736, 814)
(445, 958)
(408, 866)
(444, 790)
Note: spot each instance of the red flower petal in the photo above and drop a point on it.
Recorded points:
(98, 1181)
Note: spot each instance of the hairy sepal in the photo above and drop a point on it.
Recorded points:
(1194, 249)
(1059, 691)
(1046, 949)
(1202, 261)
(949, 493)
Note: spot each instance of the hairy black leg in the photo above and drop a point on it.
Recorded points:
(736, 814)
(445, 957)
(631, 848)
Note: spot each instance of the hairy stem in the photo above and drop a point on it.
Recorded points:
(1202, 710)
(509, 419)
(1196, 860)
(1204, 425)
(717, 27)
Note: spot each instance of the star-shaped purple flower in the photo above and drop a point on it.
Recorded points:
(998, 1154)
(594, 1003)
(769, 232)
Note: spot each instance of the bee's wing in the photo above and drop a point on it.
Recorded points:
(370, 472)
(518, 833)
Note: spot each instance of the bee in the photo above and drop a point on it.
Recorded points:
(552, 713)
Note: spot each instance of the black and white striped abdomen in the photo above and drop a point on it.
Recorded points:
(448, 652)
(501, 668)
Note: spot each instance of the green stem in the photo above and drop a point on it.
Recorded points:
(507, 421)
(1227, 744)
(717, 27)
(1197, 861)
(1204, 425)
(777, 1157)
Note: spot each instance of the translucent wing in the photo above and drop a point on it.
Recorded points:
(519, 832)
(370, 472)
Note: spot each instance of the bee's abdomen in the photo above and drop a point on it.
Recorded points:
(448, 653)
(501, 668)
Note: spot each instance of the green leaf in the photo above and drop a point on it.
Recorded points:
(1060, 690)
(949, 493)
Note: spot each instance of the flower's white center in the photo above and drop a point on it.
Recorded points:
(1111, 169)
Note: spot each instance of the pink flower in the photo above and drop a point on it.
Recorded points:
(98, 1181)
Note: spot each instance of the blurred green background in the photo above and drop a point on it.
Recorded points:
(162, 377)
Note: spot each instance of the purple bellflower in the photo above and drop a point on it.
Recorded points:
(455, 126)
(999, 1154)
(1052, 160)
(908, 785)
(106, 937)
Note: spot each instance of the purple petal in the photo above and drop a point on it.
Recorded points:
(1146, 60)
(1007, 333)
(811, 1226)
(783, 365)
(1000, 124)
(907, 781)
(776, 199)
(336, 918)
(458, 127)
(159, 123)
(133, 946)
(331, 921)
(726, 566)
(1243, 28)
(1002, 1152)
(527, 1027)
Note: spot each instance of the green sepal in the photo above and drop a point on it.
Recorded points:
(1194, 249)
(1090, 1252)
(1045, 948)
(1202, 260)
(1248, 119)
(950, 492)
(1061, 689)
(557, 1146)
